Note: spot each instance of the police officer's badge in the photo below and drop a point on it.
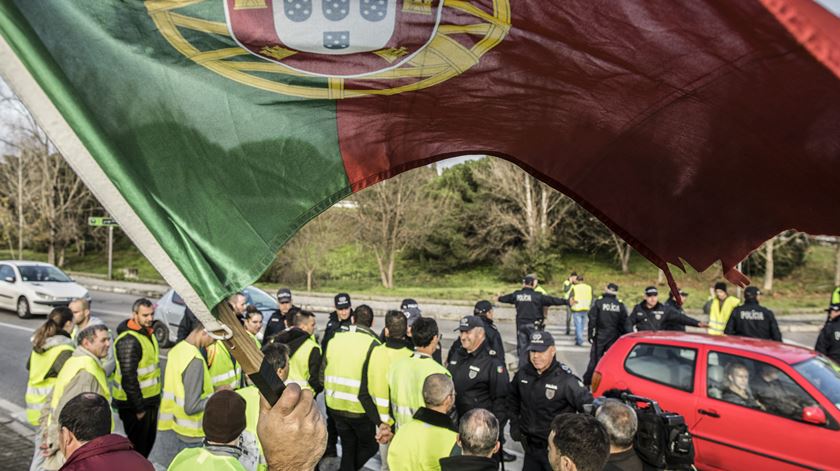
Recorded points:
(550, 391)
(473, 372)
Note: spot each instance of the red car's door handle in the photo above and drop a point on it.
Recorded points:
(709, 412)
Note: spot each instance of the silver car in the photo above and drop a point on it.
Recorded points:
(36, 288)
(170, 308)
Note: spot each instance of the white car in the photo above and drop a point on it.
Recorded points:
(36, 288)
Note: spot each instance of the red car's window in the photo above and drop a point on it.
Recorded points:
(664, 364)
(755, 384)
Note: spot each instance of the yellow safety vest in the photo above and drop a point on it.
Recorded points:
(172, 414)
(224, 371)
(299, 364)
(343, 374)
(252, 416)
(192, 459)
(256, 340)
(71, 368)
(835, 298)
(719, 315)
(405, 385)
(148, 370)
(39, 386)
(582, 293)
(381, 359)
(419, 446)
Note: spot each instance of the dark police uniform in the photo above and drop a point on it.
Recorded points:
(276, 323)
(654, 318)
(529, 315)
(675, 326)
(608, 321)
(535, 400)
(753, 320)
(481, 381)
(828, 341)
(493, 341)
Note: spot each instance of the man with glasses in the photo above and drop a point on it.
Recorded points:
(650, 314)
(828, 341)
(285, 315)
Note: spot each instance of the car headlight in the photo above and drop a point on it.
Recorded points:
(45, 296)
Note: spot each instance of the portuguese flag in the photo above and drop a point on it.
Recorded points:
(212, 130)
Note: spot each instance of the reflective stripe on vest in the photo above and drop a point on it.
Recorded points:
(148, 370)
(172, 414)
(719, 315)
(418, 445)
(381, 360)
(39, 387)
(224, 371)
(405, 384)
(342, 376)
(192, 459)
(582, 293)
(71, 368)
(299, 364)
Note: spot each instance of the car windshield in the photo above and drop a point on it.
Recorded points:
(823, 375)
(259, 299)
(42, 273)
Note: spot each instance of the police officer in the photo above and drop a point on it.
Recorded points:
(284, 316)
(752, 319)
(539, 392)
(340, 321)
(480, 377)
(673, 304)
(484, 310)
(650, 314)
(608, 321)
(828, 341)
(346, 391)
(529, 312)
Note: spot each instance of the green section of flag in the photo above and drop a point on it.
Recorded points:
(221, 173)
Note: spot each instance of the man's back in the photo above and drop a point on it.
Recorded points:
(107, 453)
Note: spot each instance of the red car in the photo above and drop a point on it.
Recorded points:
(750, 404)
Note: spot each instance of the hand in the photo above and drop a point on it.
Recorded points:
(294, 415)
(140, 415)
(384, 434)
(704, 325)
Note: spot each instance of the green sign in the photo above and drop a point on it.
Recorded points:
(101, 221)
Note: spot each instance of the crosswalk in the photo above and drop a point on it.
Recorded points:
(566, 343)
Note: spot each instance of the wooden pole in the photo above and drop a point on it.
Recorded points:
(250, 358)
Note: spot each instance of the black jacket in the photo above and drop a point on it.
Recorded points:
(335, 325)
(494, 340)
(674, 326)
(828, 342)
(654, 318)
(481, 381)
(187, 324)
(529, 304)
(608, 321)
(276, 323)
(294, 338)
(129, 352)
(753, 320)
(468, 463)
(535, 400)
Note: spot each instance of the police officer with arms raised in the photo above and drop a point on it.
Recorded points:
(751, 319)
(541, 390)
(607, 322)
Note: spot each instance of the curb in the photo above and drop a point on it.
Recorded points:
(14, 417)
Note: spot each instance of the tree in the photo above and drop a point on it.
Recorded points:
(310, 247)
(394, 213)
(777, 257)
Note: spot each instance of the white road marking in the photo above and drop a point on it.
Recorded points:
(18, 327)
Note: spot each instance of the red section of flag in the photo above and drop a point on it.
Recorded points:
(695, 130)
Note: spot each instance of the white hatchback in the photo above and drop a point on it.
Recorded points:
(36, 288)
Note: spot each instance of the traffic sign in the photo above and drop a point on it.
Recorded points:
(102, 221)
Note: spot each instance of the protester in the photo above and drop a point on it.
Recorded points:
(720, 308)
(430, 435)
(305, 352)
(478, 438)
(567, 290)
(225, 372)
(578, 442)
(87, 441)
(580, 300)
(51, 347)
(621, 424)
(339, 320)
(252, 321)
(223, 423)
(82, 319)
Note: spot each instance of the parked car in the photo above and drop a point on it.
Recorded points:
(170, 308)
(750, 404)
(31, 288)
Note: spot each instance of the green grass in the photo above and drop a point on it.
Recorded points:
(97, 263)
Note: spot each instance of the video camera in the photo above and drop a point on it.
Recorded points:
(662, 440)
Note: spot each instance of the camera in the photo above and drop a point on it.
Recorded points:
(662, 440)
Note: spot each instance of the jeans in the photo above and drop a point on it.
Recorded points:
(580, 326)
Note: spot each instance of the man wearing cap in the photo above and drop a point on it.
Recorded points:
(673, 304)
(540, 391)
(828, 341)
(340, 320)
(529, 312)
(284, 317)
(223, 423)
(650, 314)
(567, 290)
(752, 319)
(608, 321)
(484, 310)
(720, 309)
(481, 380)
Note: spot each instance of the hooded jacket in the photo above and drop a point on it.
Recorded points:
(107, 453)
(294, 338)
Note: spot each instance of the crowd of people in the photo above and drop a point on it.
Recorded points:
(389, 392)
